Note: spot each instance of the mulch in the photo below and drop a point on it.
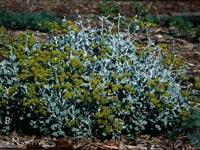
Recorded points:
(143, 142)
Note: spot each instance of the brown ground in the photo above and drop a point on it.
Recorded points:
(144, 142)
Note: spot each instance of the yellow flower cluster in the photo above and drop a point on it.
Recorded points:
(4, 101)
(129, 88)
(171, 59)
(40, 110)
(71, 123)
(197, 82)
(97, 94)
(155, 101)
(158, 103)
(12, 90)
(125, 75)
(105, 112)
(116, 87)
(31, 89)
(78, 52)
(106, 118)
(159, 87)
(31, 101)
(184, 114)
(153, 82)
(39, 105)
(55, 27)
(76, 63)
(69, 94)
(70, 25)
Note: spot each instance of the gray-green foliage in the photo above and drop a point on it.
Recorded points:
(91, 82)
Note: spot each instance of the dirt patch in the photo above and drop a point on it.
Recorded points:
(89, 8)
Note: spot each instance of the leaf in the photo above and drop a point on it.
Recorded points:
(61, 133)
(55, 134)
(47, 121)
(158, 127)
(104, 134)
(77, 111)
(136, 129)
(144, 122)
(54, 126)
(74, 129)
(29, 115)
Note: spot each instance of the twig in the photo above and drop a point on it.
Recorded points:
(15, 141)
(80, 145)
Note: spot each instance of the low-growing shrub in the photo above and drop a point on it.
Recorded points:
(4, 43)
(25, 20)
(91, 82)
(192, 127)
(109, 8)
(182, 26)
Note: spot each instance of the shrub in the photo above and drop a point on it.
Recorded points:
(183, 26)
(4, 43)
(109, 8)
(140, 10)
(23, 21)
(192, 127)
(90, 83)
